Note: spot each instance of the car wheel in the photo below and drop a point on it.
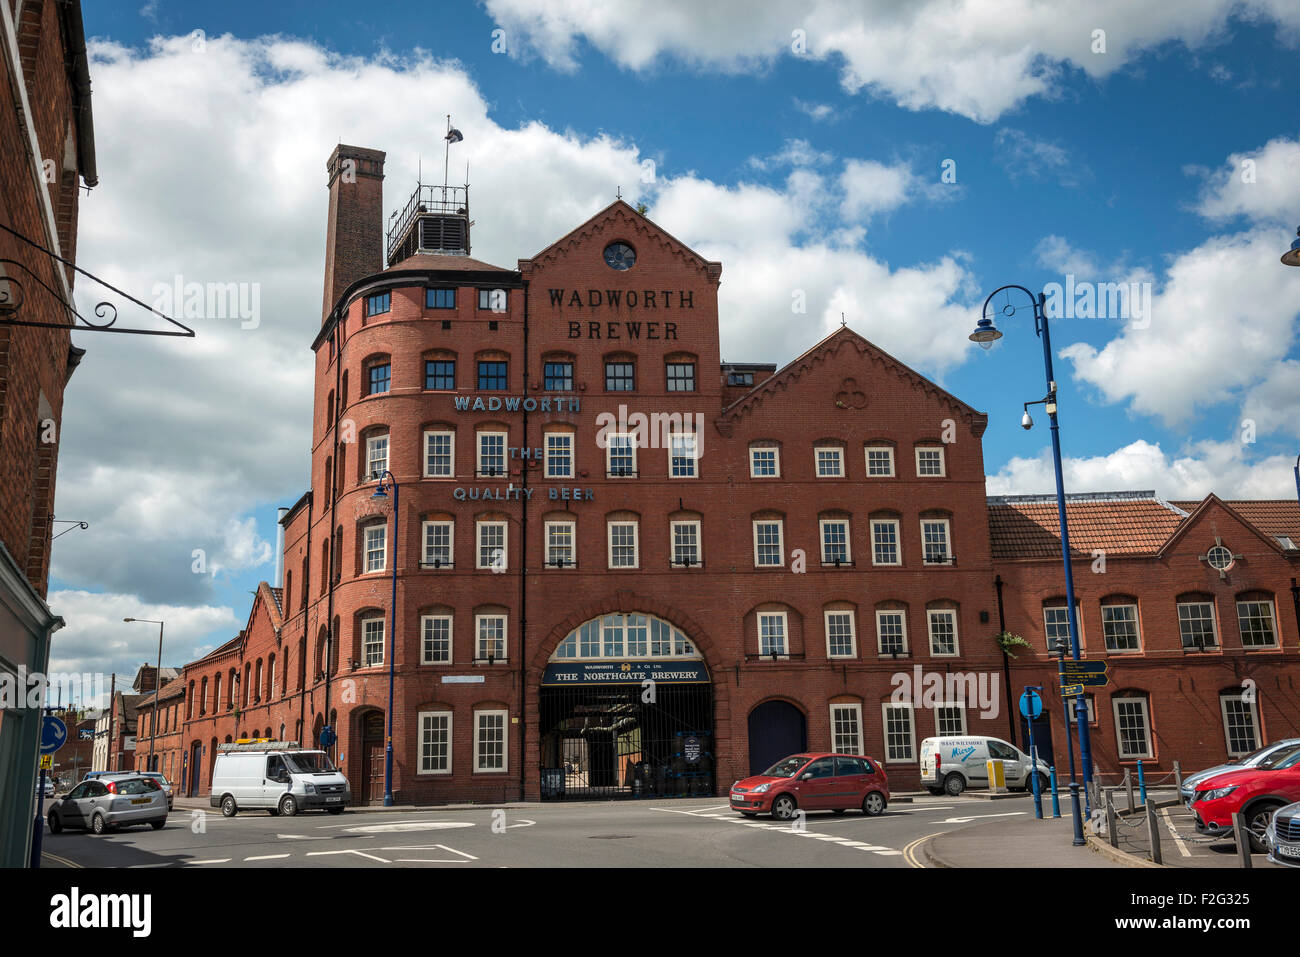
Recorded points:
(157, 825)
(954, 784)
(335, 810)
(1044, 784)
(873, 805)
(288, 805)
(97, 824)
(783, 807)
(56, 826)
(1257, 823)
(228, 806)
(273, 811)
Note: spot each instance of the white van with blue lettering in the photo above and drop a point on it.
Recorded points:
(953, 764)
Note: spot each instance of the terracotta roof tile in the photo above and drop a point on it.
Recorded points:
(1028, 527)
(441, 262)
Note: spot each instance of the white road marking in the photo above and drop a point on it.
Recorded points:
(1169, 823)
(214, 860)
(410, 826)
(430, 847)
(976, 817)
(889, 853)
(523, 822)
(373, 857)
(266, 857)
(300, 837)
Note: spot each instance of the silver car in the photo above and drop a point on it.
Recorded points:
(1282, 838)
(98, 805)
(164, 784)
(1254, 759)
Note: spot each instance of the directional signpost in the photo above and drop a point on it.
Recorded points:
(1084, 672)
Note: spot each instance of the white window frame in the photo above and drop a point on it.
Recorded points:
(368, 547)
(451, 453)
(957, 706)
(1146, 725)
(1074, 709)
(425, 622)
(672, 542)
(1137, 628)
(780, 541)
(478, 452)
(839, 461)
(609, 454)
(373, 444)
(906, 707)
(1272, 612)
(1253, 711)
(930, 614)
(784, 618)
(421, 768)
(425, 529)
(866, 461)
(776, 461)
(880, 644)
(478, 637)
(1063, 607)
(572, 561)
(690, 456)
(1213, 619)
(367, 643)
(947, 541)
(853, 632)
(479, 715)
(848, 540)
(943, 461)
(479, 528)
(568, 437)
(636, 542)
(898, 542)
(855, 710)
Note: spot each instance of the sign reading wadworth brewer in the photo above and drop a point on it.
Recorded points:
(587, 673)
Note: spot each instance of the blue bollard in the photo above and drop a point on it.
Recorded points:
(1056, 797)
(1142, 784)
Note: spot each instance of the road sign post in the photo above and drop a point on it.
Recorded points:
(1031, 706)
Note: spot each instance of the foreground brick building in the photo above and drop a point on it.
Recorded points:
(47, 150)
(625, 567)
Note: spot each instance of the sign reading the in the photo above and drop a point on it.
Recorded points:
(624, 672)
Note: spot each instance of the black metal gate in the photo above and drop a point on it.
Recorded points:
(607, 742)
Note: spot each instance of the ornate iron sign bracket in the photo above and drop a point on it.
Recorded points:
(12, 297)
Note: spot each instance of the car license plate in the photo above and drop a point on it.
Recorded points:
(1288, 850)
(140, 801)
(335, 798)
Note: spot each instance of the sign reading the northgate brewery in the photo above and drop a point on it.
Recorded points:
(624, 672)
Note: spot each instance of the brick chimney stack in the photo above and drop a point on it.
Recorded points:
(354, 235)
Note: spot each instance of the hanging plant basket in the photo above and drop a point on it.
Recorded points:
(1008, 642)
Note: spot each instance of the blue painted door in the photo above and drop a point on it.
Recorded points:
(777, 729)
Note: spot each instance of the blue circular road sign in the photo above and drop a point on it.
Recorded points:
(53, 734)
(1031, 705)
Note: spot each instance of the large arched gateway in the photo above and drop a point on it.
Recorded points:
(626, 710)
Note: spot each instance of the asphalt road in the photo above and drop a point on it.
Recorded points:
(674, 833)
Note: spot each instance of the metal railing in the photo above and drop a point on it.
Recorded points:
(447, 200)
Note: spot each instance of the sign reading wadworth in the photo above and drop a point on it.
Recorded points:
(589, 673)
(513, 403)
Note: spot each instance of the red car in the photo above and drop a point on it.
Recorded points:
(1255, 793)
(813, 782)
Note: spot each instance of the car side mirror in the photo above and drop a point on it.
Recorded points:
(806, 777)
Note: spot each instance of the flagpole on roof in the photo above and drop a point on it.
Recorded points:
(446, 158)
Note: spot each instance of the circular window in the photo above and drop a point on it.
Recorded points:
(1219, 557)
(620, 256)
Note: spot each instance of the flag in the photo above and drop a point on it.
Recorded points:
(453, 135)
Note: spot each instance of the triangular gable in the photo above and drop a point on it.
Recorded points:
(1212, 501)
(830, 347)
(619, 217)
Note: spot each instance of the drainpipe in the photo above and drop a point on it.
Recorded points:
(523, 581)
(306, 585)
(1006, 664)
(1295, 599)
(335, 560)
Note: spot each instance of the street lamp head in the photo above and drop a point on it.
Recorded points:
(985, 333)
(379, 491)
(1292, 256)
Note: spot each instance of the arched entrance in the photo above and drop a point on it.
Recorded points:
(371, 726)
(776, 729)
(195, 766)
(626, 710)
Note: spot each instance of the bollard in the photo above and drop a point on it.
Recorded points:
(1079, 839)
(1153, 834)
(1243, 840)
(1128, 786)
(1178, 778)
(1142, 783)
(1056, 797)
(1112, 830)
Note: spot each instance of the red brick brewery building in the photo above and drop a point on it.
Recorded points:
(625, 567)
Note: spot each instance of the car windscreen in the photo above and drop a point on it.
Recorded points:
(136, 786)
(309, 762)
(787, 767)
(1253, 759)
(1285, 758)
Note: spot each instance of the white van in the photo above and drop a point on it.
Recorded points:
(954, 764)
(276, 776)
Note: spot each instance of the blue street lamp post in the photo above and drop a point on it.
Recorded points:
(985, 335)
(392, 636)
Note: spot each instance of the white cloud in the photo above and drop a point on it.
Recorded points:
(795, 152)
(1262, 185)
(967, 57)
(1022, 155)
(1273, 404)
(1207, 466)
(871, 188)
(817, 112)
